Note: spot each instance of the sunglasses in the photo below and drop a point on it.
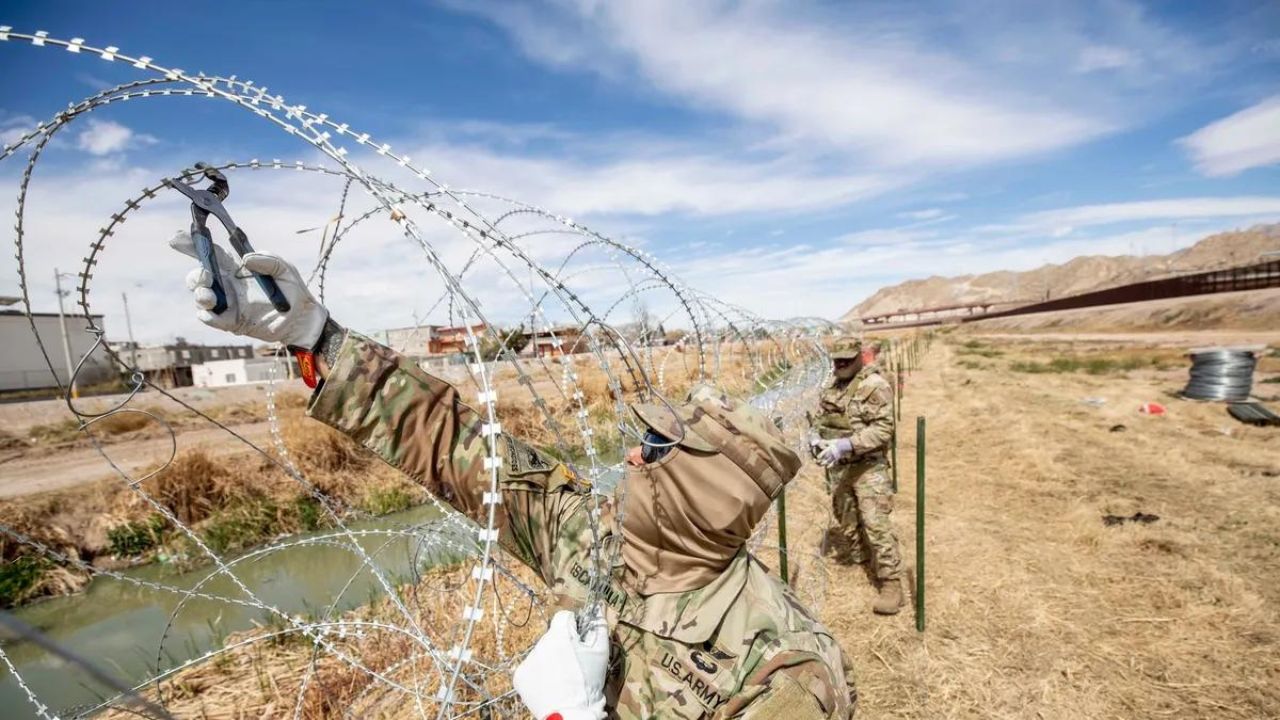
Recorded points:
(654, 447)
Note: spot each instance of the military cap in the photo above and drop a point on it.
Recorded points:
(675, 421)
(846, 349)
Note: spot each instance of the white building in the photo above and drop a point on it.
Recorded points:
(241, 371)
(23, 367)
(415, 340)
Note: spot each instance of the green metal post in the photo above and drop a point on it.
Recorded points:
(782, 535)
(893, 463)
(920, 523)
(897, 398)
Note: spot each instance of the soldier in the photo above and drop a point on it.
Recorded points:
(697, 626)
(854, 425)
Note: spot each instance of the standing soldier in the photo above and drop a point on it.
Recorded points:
(855, 424)
(695, 626)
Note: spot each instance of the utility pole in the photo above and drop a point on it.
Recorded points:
(128, 323)
(66, 341)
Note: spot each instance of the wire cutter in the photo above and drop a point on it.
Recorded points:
(209, 201)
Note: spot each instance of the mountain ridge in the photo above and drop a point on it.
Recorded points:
(1078, 275)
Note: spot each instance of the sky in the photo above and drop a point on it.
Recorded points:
(791, 158)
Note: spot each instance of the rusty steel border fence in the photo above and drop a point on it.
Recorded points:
(1257, 276)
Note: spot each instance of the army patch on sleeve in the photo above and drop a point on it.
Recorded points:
(523, 460)
(692, 673)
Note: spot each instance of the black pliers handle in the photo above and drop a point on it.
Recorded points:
(206, 201)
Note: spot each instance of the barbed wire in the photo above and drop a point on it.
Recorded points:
(443, 674)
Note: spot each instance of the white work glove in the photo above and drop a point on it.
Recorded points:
(833, 451)
(248, 311)
(564, 674)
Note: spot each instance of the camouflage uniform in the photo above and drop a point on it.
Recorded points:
(741, 647)
(861, 492)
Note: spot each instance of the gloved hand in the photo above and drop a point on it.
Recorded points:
(833, 451)
(816, 444)
(563, 675)
(253, 315)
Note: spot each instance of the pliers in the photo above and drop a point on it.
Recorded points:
(209, 200)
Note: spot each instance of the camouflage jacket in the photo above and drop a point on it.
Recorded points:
(741, 647)
(861, 410)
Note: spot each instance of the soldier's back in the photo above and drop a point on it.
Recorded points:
(748, 646)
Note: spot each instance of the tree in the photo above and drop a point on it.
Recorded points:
(512, 341)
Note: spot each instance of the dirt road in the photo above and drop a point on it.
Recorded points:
(18, 417)
(38, 473)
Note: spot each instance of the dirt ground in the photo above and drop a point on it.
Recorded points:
(1035, 608)
(39, 466)
(37, 472)
(18, 417)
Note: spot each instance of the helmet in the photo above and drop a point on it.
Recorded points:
(846, 349)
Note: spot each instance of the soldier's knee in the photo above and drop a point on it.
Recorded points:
(874, 507)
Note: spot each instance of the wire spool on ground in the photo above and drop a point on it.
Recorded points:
(1220, 374)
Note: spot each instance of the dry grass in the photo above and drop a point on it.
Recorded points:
(1036, 610)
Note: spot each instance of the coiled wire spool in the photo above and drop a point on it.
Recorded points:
(1220, 374)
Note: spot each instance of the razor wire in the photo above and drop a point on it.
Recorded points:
(442, 674)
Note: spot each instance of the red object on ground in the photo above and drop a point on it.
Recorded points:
(1151, 409)
(555, 716)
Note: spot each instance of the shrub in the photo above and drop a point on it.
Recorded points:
(120, 423)
(1088, 365)
(979, 351)
(19, 577)
(9, 441)
(382, 501)
(246, 525)
(55, 433)
(135, 538)
(194, 485)
(310, 516)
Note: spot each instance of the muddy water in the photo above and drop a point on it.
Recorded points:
(120, 626)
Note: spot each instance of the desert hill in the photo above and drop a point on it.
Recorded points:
(1082, 274)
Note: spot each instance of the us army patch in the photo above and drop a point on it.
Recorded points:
(523, 460)
(702, 689)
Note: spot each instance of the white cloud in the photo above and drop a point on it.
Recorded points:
(651, 180)
(1169, 209)
(13, 127)
(865, 87)
(926, 214)
(11, 135)
(1103, 57)
(104, 137)
(1247, 139)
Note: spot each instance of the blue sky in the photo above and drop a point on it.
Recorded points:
(788, 157)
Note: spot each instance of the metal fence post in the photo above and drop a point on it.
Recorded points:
(920, 523)
(782, 535)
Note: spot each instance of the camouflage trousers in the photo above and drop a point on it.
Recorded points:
(862, 501)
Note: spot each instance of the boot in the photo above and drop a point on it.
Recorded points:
(890, 599)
